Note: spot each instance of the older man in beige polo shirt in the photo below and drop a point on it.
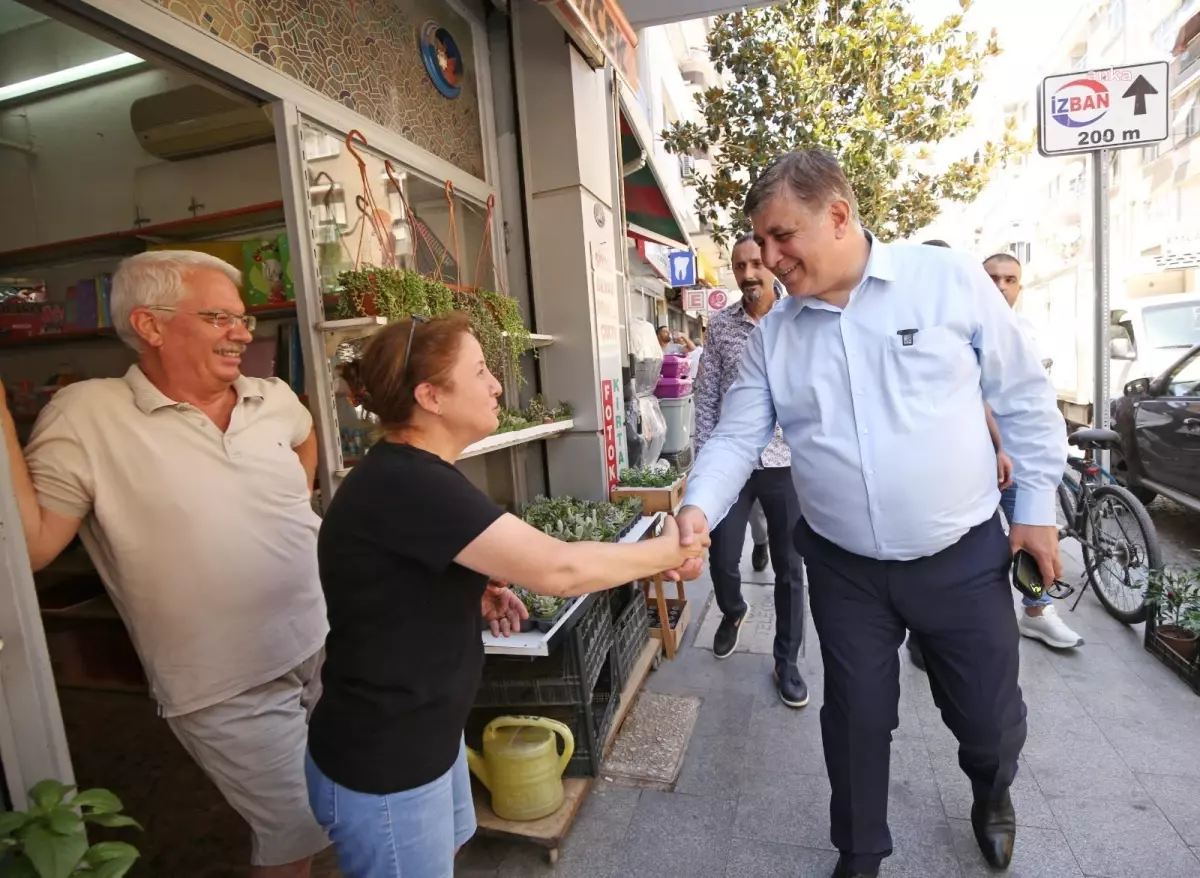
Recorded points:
(190, 485)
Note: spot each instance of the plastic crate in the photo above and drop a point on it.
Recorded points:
(1187, 671)
(604, 704)
(631, 633)
(516, 682)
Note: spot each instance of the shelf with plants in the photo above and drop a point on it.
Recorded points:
(660, 490)
(570, 520)
(1173, 621)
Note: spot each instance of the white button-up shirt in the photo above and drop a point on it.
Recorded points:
(882, 406)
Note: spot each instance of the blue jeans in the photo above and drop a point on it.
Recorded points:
(1008, 504)
(411, 834)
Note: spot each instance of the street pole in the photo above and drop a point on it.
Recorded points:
(1100, 402)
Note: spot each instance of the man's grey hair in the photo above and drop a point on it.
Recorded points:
(158, 279)
(812, 175)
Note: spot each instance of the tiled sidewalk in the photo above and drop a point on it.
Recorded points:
(1109, 782)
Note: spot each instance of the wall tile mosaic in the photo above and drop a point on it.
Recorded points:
(363, 54)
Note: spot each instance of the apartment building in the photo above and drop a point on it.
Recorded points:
(1041, 209)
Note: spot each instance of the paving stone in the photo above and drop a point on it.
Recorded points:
(1083, 768)
(955, 789)
(759, 859)
(1179, 800)
(758, 628)
(921, 851)
(1123, 839)
(1158, 744)
(1038, 853)
(677, 836)
(695, 668)
(723, 712)
(713, 766)
(794, 810)
(527, 860)
(606, 814)
(911, 766)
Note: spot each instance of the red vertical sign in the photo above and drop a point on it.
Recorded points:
(608, 403)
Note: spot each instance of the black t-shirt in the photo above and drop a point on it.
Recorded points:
(404, 654)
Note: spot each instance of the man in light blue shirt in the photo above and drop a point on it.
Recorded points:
(877, 368)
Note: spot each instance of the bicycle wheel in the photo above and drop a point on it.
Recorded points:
(1120, 549)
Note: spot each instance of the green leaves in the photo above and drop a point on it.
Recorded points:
(50, 840)
(860, 79)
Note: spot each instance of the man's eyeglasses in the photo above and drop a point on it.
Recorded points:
(220, 319)
(412, 330)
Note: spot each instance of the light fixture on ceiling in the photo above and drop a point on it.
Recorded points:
(71, 75)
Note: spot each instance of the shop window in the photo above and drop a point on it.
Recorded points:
(362, 218)
(320, 145)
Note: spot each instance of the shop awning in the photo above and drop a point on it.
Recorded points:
(648, 13)
(602, 32)
(705, 272)
(647, 211)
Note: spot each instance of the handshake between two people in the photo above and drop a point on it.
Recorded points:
(690, 525)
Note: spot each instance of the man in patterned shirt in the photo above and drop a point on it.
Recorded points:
(770, 484)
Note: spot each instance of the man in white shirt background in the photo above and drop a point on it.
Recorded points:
(1040, 620)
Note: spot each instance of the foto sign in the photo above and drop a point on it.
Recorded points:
(1113, 108)
(608, 403)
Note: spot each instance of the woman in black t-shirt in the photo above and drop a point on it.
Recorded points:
(406, 550)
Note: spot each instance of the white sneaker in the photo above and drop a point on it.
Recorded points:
(1049, 628)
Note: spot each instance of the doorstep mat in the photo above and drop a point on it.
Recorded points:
(650, 747)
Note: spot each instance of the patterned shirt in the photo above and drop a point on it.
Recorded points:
(723, 347)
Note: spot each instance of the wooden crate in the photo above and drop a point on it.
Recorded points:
(654, 499)
(656, 597)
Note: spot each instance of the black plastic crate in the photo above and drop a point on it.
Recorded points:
(631, 633)
(517, 682)
(584, 762)
(1188, 671)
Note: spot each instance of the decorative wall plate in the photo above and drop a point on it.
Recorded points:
(443, 60)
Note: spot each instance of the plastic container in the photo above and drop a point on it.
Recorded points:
(673, 388)
(678, 415)
(676, 366)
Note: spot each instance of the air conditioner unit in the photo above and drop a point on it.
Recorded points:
(687, 168)
(194, 121)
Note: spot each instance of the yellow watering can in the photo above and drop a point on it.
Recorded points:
(521, 767)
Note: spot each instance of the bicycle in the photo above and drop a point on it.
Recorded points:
(1088, 506)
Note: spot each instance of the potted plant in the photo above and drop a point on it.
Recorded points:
(397, 293)
(1174, 597)
(660, 490)
(544, 610)
(50, 839)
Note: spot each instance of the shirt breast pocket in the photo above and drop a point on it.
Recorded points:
(930, 369)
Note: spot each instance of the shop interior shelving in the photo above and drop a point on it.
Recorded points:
(130, 241)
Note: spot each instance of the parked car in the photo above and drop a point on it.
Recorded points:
(1159, 423)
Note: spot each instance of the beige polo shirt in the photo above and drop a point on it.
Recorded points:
(207, 541)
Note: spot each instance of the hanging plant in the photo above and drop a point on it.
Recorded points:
(397, 293)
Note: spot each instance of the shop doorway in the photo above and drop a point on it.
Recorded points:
(103, 154)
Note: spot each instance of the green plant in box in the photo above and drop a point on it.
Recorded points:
(1174, 592)
(540, 606)
(50, 839)
(649, 477)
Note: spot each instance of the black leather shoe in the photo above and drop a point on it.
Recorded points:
(914, 652)
(725, 641)
(792, 689)
(841, 870)
(995, 828)
(759, 557)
